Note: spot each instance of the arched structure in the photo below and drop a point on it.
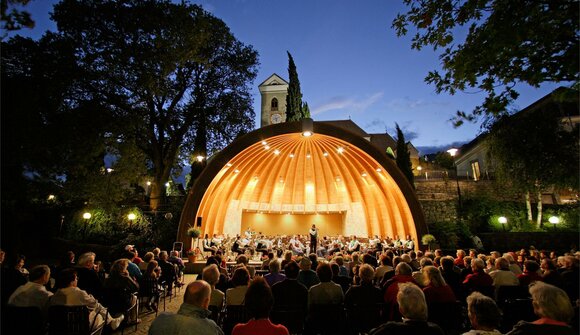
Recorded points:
(275, 179)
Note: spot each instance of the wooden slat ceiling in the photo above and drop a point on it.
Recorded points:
(291, 173)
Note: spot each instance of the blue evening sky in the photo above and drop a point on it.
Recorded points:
(350, 64)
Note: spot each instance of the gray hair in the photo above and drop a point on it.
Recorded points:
(163, 255)
(412, 302)
(403, 269)
(551, 302)
(484, 309)
(478, 263)
(366, 273)
(86, 258)
(211, 274)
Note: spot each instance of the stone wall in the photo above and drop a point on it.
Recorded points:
(439, 197)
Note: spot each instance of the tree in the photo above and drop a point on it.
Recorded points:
(508, 42)
(404, 157)
(444, 160)
(14, 19)
(294, 96)
(532, 152)
(172, 76)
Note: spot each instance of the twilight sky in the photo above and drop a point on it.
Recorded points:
(350, 64)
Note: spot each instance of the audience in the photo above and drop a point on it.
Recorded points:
(290, 293)
(88, 278)
(365, 293)
(119, 290)
(259, 301)
(436, 290)
(530, 273)
(192, 316)
(306, 276)
(33, 293)
(211, 275)
(413, 308)
(274, 276)
(240, 281)
(502, 275)
(69, 294)
(149, 285)
(552, 306)
(325, 292)
(483, 314)
(478, 280)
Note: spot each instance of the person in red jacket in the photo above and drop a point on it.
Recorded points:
(478, 280)
(436, 290)
(530, 273)
(403, 274)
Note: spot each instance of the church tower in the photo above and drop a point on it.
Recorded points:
(273, 92)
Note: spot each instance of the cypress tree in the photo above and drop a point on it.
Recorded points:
(294, 96)
(404, 157)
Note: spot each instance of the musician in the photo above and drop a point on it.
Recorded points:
(397, 245)
(296, 246)
(313, 238)
(353, 245)
(409, 244)
(216, 241)
(375, 244)
(207, 245)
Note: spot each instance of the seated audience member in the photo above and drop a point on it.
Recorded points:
(146, 259)
(466, 267)
(452, 278)
(168, 271)
(514, 267)
(389, 274)
(478, 280)
(484, 315)
(436, 290)
(68, 261)
(383, 268)
(530, 273)
(133, 268)
(266, 262)
(306, 276)
(192, 316)
(314, 261)
(343, 271)
(365, 293)
(570, 277)
(415, 263)
(418, 275)
(326, 292)
(344, 282)
(553, 308)
(274, 276)
(369, 259)
(119, 289)
(136, 259)
(459, 259)
(13, 277)
(403, 273)
(549, 273)
(175, 260)
(240, 280)
(413, 307)
(88, 278)
(287, 259)
(33, 293)
(243, 260)
(259, 301)
(149, 285)
(290, 293)
(355, 260)
(211, 275)
(68, 294)
(502, 276)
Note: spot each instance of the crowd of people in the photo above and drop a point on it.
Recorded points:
(109, 293)
(369, 288)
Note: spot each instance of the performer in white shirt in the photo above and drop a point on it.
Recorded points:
(296, 246)
(353, 245)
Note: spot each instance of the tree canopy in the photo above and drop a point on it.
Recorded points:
(537, 148)
(295, 108)
(149, 83)
(506, 43)
(172, 76)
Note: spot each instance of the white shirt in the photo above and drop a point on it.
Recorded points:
(30, 294)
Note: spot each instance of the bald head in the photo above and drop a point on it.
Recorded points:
(197, 294)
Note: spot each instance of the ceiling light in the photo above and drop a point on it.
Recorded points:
(276, 152)
(364, 174)
(264, 142)
(291, 155)
(325, 154)
(267, 147)
(307, 134)
(340, 150)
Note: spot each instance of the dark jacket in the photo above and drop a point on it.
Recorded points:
(407, 327)
(527, 328)
(290, 292)
(88, 280)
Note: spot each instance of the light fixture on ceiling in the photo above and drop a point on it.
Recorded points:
(307, 127)
(340, 150)
(264, 143)
(291, 155)
(325, 154)
(276, 152)
(364, 174)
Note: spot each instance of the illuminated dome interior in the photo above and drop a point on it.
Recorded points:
(286, 182)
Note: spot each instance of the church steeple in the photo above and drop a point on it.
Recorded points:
(273, 92)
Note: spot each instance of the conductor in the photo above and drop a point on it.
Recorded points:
(313, 238)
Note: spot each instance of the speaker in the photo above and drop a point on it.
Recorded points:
(199, 221)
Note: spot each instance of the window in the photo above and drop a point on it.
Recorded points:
(475, 170)
(274, 104)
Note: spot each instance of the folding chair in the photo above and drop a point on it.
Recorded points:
(73, 320)
(178, 246)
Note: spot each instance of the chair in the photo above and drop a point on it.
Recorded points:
(326, 319)
(363, 318)
(507, 293)
(216, 314)
(22, 320)
(73, 320)
(234, 314)
(149, 289)
(289, 316)
(178, 246)
(112, 299)
(516, 310)
(448, 315)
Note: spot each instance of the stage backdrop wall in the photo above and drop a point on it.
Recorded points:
(282, 224)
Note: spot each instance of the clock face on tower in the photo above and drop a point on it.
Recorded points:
(276, 118)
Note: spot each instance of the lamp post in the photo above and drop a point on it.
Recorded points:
(554, 220)
(87, 216)
(131, 217)
(452, 152)
(503, 220)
